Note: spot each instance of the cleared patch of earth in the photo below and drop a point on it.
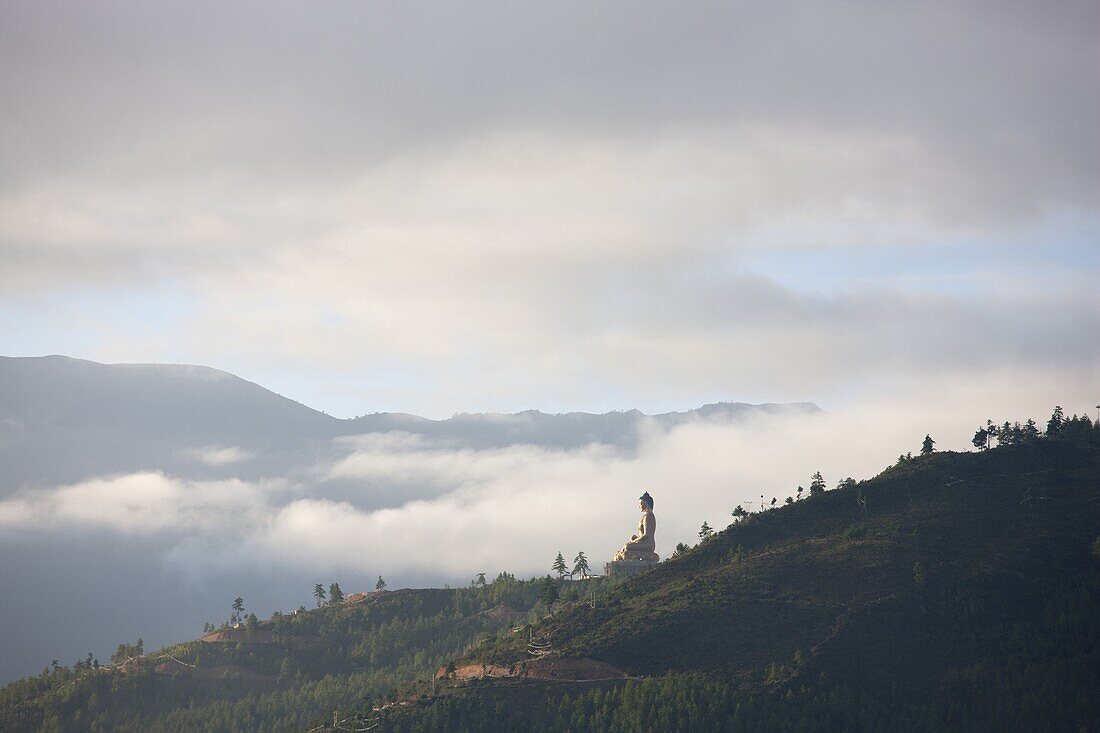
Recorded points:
(577, 669)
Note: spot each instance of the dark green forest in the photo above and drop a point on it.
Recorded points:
(280, 674)
(953, 592)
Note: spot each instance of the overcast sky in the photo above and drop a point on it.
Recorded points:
(466, 207)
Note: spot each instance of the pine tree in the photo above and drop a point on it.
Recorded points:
(926, 447)
(238, 609)
(981, 439)
(580, 565)
(286, 671)
(319, 594)
(1030, 430)
(559, 566)
(817, 484)
(381, 584)
(1054, 425)
(335, 595)
(738, 513)
(705, 531)
(548, 591)
(479, 581)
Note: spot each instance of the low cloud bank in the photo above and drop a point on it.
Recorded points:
(142, 504)
(217, 455)
(465, 511)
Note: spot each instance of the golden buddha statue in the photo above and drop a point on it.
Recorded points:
(641, 544)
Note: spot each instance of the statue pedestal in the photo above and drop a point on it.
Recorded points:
(627, 567)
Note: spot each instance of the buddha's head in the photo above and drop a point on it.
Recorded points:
(645, 502)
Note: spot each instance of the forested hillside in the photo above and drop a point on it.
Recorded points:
(277, 674)
(954, 591)
(951, 592)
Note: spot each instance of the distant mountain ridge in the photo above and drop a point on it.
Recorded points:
(64, 419)
(185, 397)
(563, 430)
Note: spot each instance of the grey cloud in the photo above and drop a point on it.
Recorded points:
(723, 333)
(216, 455)
(513, 205)
(212, 118)
(149, 503)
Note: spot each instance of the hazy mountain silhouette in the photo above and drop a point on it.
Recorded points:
(63, 419)
(66, 419)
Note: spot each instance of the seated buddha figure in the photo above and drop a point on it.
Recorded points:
(641, 544)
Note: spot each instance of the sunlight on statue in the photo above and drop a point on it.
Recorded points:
(638, 553)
